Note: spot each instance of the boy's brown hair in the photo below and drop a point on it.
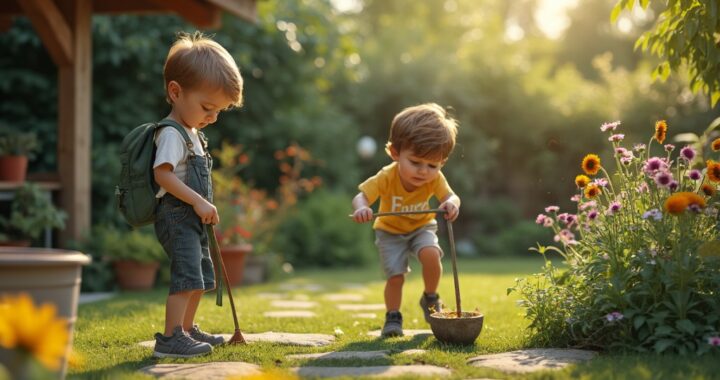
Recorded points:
(195, 61)
(426, 129)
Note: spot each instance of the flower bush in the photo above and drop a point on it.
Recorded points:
(640, 251)
(251, 215)
(33, 339)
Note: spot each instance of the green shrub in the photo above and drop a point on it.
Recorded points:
(320, 233)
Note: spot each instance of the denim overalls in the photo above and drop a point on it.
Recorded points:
(181, 232)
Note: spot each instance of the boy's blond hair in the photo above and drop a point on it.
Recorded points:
(195, 61)
(426, 129)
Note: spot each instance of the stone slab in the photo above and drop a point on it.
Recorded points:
(365, 315)
(355, 297)
(268, 295)
(292, 304)
(361, 306)
(361, 355)
(373, 371)
(414, 351)
(406, 332)
(290, 314)
(308, 340)
(523, 361)
(201, 371)
(289, 286)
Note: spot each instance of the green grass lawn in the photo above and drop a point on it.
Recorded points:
(107, 332)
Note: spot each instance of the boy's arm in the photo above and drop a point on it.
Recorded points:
(451, 204)
(363, 213)
(165, 177)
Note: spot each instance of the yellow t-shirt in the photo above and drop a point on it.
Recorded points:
(386, 185)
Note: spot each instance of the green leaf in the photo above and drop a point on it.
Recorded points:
(686, 326)
(638, 321)
(662, 344)
(616, 12)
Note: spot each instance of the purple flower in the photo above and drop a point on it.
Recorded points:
(673, 185)
(566, 237)
(639, 147)
(652, 213)
(592, 215)
(654, 164)
(614, 316)
(694, 208)
(620, 151)
(687, 153)
(669, 147)
(626, 160)
(575, 198)
(695, 174)
(714, 341)
(616, 138)
(663, 179)
(540, 218)
(613, 208)
(587, 205)
(609, 126)
(552, 209)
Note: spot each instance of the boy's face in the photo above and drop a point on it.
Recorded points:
(415, 171)
(197, 108)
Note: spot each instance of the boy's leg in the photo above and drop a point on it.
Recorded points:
(192, 305)
(393, 292)
(432, 269)
(175, 309)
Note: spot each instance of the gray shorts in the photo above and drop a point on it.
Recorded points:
(395, 249)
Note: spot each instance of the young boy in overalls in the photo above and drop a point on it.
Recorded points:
(201, 80)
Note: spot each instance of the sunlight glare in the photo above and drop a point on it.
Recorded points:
(551, 16)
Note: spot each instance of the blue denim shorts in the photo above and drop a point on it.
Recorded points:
(396, 250)
(182, 235)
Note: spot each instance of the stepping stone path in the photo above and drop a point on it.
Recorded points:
(360, 306)
(524, 361)
(344, 297)
(205, 371)
(407, 332)
(290, 314)
(293, 304)
(365, 315)
(309, 340)
(268, 296)
(289, 286)
(360, 355)
(374, 371)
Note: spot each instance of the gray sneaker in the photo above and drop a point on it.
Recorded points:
(179, 345)
(393, 324)
(202, 336)
(430, 304)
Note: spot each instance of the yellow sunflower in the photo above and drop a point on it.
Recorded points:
(715, 144)
(660, 131)
(592, 190)
(708, 189)
(582, 181)
(591, 164)
(36, 330)
(713, 171)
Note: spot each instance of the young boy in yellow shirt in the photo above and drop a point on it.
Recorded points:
(421, 140)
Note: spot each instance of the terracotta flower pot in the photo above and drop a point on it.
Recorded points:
(13, 168)
(233, 257)
(134, 275)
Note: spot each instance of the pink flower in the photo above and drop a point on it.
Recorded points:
(614, 316)
(616, 138)
(714, 341)
(609, 126)
(552, 209)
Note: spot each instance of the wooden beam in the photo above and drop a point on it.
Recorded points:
(52, 28)
(200, 13)
(245, 9)
(75, 121)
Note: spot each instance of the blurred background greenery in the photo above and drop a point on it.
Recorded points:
(530, 82)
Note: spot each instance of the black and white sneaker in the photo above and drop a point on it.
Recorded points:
(430, 303)
(179, 345)
(202, 336)
(393, 324)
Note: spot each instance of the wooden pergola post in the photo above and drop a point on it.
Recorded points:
(66, 31)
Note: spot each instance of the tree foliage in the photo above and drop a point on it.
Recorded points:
(686, 33)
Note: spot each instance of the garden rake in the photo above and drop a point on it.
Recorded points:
(221, 274)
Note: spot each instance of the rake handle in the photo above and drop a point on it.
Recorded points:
(394, 213)
(451, 238)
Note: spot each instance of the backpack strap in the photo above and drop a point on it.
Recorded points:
(172, 123)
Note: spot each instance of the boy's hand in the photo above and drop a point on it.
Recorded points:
(363, 214)
(451, 210)
(207, 212)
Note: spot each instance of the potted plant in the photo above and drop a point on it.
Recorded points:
(250, 216)
(31, 212)
(16, 149)
(135, 256)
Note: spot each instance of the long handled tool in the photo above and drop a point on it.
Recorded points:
(220, 271)
(451, 238)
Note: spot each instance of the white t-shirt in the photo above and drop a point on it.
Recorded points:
(171, 149)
